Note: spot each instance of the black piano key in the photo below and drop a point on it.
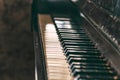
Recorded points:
(83, 56)
(77, 44)
(82, 53)
(80, 49)
(72, 36)
(77, 28)
(92, 68)
(96, 77)
(87, 61)
(94, 74)
(72, 41)
(76, 64)
(76, 34)
(81, 39)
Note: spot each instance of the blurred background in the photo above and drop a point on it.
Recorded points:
(16, 42)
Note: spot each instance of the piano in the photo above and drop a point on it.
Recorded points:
(68, 46)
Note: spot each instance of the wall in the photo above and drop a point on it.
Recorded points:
(16, 42)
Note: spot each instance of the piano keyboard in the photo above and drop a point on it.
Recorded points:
(71, 55)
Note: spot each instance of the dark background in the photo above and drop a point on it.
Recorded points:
(16, 40)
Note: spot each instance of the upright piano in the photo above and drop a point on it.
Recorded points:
(68, 45)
